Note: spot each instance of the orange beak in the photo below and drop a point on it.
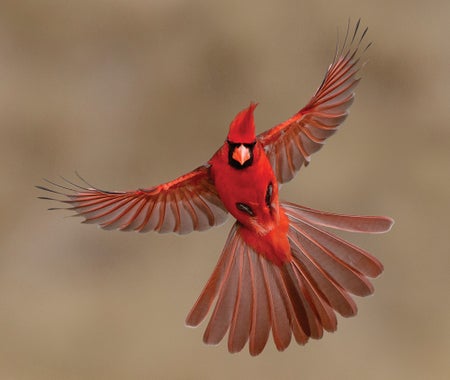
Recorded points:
(241, 154)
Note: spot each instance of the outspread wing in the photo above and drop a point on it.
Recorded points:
(290, 144)
(188, 203)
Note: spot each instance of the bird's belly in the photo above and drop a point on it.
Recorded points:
(266, 230)
(274, 245)
(242, 187)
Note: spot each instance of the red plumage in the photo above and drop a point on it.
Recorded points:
(281, 269)
(242, 128)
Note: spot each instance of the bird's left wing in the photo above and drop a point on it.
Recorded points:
(290, 144)
(188, 203)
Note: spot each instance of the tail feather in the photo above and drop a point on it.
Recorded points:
(303, 321)
(261, 322)
(331, 291)
(351, 223)
(209, 293)
(300, 298)
(223, 312)
(241, 320)
(281, 331)
(354, 256)
(343, 274)
(298, 315)
(320, 314)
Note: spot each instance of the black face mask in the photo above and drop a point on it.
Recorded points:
(235, 164)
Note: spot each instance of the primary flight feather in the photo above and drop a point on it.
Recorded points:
(281, 270)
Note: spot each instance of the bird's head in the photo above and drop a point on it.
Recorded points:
(241, 138)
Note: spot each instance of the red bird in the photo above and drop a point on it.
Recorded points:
(281, 270)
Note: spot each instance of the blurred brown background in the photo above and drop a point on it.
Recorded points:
(133, 93)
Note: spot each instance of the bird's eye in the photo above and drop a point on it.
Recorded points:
(245, 208)
(269, 193)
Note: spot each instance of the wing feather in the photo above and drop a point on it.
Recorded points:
(320, 118)
(188, 203)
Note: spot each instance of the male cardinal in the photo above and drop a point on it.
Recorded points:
(281, 270)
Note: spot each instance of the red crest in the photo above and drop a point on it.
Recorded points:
(242, 128)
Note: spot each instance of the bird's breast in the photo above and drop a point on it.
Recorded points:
(251, 196)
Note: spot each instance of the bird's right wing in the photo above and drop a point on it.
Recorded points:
(188, 203)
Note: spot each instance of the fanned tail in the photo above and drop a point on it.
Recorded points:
(300, 298)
